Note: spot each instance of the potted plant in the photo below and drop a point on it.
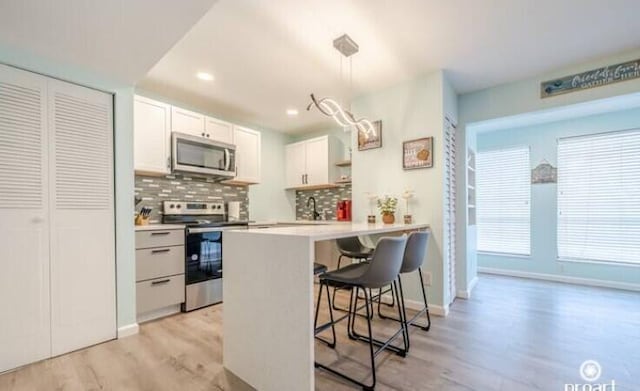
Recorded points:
(387, 206)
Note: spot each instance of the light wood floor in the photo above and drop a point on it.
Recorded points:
(514, 334)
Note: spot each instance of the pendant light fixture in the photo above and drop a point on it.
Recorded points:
(330, 107)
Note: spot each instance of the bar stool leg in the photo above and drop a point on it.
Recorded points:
(332, 345)
(369, 315)
(426, 305)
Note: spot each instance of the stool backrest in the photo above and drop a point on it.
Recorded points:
(415, 251)
(350, 244)
(385, 264)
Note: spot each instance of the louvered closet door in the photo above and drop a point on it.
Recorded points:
(24, 233)
(450, 204)
(83, 309)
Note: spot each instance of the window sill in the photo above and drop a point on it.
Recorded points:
(507, 255)
(598, 262)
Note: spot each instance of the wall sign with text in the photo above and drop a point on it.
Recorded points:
(594, 78)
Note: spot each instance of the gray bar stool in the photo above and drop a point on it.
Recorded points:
(381, 271)
(353, 248)
(414, 255)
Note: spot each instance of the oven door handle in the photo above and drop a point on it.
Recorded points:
(213, 229)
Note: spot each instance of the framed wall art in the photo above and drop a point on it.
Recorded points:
(370, 141)
(417, 153)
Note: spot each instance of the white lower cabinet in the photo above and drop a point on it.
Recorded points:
(57, 244)
(160, 263)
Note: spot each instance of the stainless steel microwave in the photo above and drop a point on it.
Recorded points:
(193, 154)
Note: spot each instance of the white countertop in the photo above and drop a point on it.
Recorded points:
(295, 222)
(159, 227)
(335, 231)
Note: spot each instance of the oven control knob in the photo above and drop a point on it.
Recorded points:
(178, 206)
(219, 206)
(172, 206)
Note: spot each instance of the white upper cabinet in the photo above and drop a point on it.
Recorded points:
(189, 122)
(317, 161)
(248, 145)
(152, 136)
(296, 161)
(155, 121)
(310, 163)
(218, 130)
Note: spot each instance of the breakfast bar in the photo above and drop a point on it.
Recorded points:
(268, 300)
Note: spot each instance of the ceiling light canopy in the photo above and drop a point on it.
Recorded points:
(204, 76)
(330, 107)
(292, 112)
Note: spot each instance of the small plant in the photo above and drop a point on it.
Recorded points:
(387, 205)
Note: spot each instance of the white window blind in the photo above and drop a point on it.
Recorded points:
(503, 188)
(599, 197)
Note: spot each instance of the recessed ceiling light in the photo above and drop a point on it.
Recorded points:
(204, 76)
(292, 112)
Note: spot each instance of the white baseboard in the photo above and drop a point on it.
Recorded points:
(159, 313)
(566, 279)
(414, 305)
(128, 330)
(466, 294)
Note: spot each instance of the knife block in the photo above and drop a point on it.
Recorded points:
(140, 220)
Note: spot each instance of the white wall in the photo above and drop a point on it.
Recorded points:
(408, 111)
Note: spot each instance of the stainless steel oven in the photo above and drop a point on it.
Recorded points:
(198, 155)
(204, 256)
(204, 266)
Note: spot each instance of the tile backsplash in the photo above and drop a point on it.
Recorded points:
(154, 190)
(327, 199)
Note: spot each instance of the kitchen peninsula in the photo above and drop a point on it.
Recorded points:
(269, 306)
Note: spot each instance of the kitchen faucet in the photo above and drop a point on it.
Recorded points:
(316, 215)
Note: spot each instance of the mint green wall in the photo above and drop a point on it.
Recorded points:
(542, 141)
(408, 111)
(512, 99)
(337, 132)
(124, 178)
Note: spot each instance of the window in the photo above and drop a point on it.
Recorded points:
(599, 197)
(503, 181)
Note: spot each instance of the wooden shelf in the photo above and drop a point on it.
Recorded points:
(314, 187)
(343, 182)
(344, 163)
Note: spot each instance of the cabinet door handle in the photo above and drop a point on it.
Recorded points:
(169, 163)
(160, 250)
(302, 179)
(160, 281)
(156, 233)
(208, 135)
(203, 134)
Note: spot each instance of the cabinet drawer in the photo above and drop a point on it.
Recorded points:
(159, 293)
(159, 238)
(159, 262)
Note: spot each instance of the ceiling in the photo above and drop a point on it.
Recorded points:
(268, 55)
(119, 40)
